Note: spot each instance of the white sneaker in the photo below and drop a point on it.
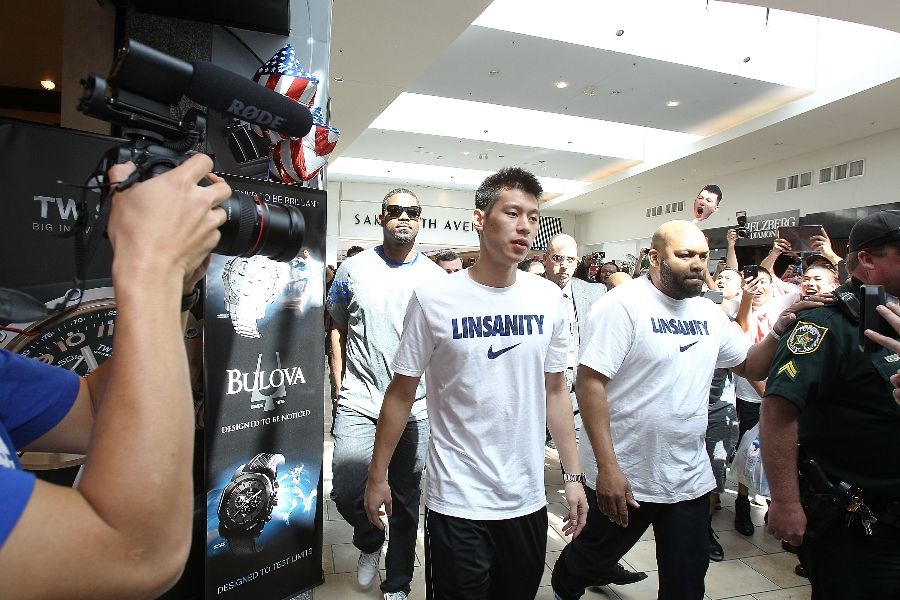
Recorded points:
(395, 596)
(367, 567)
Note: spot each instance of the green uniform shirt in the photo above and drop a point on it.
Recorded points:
(848, 420)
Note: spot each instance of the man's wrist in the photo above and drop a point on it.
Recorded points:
(574, 478)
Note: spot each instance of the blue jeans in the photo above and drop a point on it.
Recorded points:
(354, 440)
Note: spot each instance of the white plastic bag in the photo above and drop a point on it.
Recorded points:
(747, 467)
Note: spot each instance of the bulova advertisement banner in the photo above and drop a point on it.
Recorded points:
(439, 225)
(264, 423)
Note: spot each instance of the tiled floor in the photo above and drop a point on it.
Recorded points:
(755, 568)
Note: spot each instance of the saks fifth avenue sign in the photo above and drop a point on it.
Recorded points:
(439, 225)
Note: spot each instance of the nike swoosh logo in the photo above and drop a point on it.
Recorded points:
(683, 348)
(492, 355)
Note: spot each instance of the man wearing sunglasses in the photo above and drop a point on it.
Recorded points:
(367, 301)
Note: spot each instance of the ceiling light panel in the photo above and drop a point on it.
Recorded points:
(715, 35)
(357, 169)
(432, 115)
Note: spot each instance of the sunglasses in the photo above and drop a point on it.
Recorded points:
(564, 260)
(393, 211)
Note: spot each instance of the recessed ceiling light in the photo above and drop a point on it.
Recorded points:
(339, 79)
(673, 103)
(561, 84)
(620, 32)
(493, 72)
(465, 153)
(48, 84)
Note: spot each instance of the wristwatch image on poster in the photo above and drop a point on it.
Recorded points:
(256, 495)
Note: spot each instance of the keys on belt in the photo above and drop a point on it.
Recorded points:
(857, 509)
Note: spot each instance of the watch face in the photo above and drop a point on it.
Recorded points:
(78, 340)
(246, 502)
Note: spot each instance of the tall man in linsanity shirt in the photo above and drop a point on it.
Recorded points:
(492, 343)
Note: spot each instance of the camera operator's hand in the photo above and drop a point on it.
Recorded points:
(133, 416)
(822, 244)
(167, 221)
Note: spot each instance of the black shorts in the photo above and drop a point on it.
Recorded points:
(748, 417)
(484, 560)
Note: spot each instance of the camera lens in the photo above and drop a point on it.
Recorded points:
(253, 226)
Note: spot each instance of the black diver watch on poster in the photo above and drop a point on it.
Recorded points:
(247, 502)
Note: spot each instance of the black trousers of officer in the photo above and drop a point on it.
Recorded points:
(845, 564)
(682, 547)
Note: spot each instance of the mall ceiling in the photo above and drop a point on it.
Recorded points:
(391, 51)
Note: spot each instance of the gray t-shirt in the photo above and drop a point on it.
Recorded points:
(369, 297)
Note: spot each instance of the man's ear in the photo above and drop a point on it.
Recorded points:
(478, 220)
(653, 255)
(865, 260)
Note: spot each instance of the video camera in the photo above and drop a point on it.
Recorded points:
(142, 86)
(597, 257)
(742, 230)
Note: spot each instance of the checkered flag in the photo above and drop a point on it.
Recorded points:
(549, 227)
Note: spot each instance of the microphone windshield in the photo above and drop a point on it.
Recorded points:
(229, 93)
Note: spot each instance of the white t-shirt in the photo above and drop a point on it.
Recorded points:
(484, 352)
(659, 354)
(762, 320)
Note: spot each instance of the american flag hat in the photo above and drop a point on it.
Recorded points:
(283, 74)
(299, 160)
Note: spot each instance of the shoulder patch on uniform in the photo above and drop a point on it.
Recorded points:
(806, 337)
(892, 358)
(789, 368)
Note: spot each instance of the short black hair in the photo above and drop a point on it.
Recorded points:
(446, 256)
(353, 251)
(394, 192)
(507, 178)
(714, 189)
(613, 263)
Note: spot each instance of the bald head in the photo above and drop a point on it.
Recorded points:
(677, 232)
(560, 259)
(678, 256)
(616, 279)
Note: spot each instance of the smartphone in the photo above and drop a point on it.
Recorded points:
(871, 296)
(750, 272)
(799, 235)
(716, 297)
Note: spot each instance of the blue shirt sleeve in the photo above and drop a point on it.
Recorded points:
(34, 397)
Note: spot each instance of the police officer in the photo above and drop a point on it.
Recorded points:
(837, 402)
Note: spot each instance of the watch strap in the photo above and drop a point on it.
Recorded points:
(188, 301)
(242, 545)
(575, 477)
(265, 462)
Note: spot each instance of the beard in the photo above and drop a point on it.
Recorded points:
(402, 237)
(678, 287)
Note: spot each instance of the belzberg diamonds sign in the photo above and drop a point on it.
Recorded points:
(764, 226)
(438, 225)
